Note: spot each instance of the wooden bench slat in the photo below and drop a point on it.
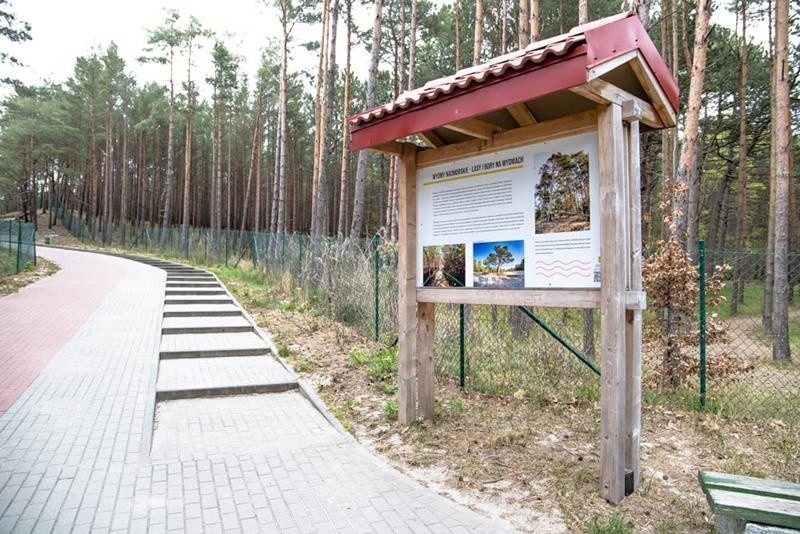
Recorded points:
(756, 486)
(756, 508)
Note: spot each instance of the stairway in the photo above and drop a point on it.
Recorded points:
(209, 346)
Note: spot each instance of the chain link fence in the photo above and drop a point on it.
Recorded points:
(549, 354)
(746, 376)
(17, 246)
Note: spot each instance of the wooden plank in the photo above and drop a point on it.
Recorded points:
(612, 306)
(394, 148)
(474, 127)
(604, 68)
(526, 135)
(544, 298)
(430, 139)
(426, 328)
(603, 92)
(757, 486)
(407, 281)
(756, 508)
(522, 114)
(633, 318)
(654, 91)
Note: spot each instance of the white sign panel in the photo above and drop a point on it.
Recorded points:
(525, 217)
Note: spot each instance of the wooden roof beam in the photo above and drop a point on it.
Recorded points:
(602, 92)
(393, 148)
(430, 139)
(522, 114)
(474, 128)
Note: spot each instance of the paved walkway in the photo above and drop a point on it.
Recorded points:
(86, 447)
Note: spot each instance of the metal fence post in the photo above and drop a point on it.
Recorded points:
(227, 231)
(19, 240)
(461, 352)
(377, 266)
(701, 258)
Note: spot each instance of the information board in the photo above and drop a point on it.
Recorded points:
(521, 218)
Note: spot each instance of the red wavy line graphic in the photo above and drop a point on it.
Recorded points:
(561, 262)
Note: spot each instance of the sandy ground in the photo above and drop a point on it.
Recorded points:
(533, 462)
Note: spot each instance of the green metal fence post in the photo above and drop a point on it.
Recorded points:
(34, 246)
(377, 265)
(461, 353)
(227, 231)
(701, 258)
(19, 241)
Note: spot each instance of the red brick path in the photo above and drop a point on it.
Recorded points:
(38, 320)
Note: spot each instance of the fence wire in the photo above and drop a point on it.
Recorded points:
(498, 349)
(17, 246)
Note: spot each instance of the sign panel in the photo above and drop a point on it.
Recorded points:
(521, 218)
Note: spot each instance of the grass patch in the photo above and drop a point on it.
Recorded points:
(613, 524)
(381, 366)
(390, 410)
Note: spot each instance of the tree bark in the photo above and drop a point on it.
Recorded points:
(345, 161)
(361, 167)
(478, 43)
(782, 154)
(689, 148)
(741, 228)
(523, 25)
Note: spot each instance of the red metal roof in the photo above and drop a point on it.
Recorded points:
(542, 68)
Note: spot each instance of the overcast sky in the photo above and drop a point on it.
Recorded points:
(66, 29)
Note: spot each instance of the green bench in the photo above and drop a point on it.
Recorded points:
(767, 505)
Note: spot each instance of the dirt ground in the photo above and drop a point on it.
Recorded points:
(533, 464)
(63, 239)
(13, 283)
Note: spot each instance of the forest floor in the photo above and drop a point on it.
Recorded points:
(533, 462)
(30, 274)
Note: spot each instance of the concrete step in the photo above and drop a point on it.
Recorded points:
(205, 325)
(204, 377)
(201, 310)
(190, 277)
(200, 284)
(196, 291)
(198, 299)
(212, 345)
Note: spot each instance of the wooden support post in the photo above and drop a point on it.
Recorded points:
(633, 319)
(407, 282)
(612, 302)
(425, 337)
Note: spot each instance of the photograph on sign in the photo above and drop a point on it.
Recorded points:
(498, 264)
(444, 265)
(518, 218)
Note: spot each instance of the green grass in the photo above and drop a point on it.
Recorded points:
(8, 262)
(381, 364)
(753, 300)
(613, 524)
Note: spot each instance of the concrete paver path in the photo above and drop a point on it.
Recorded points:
(84, 447)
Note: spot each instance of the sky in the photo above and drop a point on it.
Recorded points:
(65, 29)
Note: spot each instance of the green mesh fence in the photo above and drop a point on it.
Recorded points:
(744, 376)
(17, 246)
(499, 349)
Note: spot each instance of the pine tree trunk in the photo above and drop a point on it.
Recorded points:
(458, 34)
(361, 168)
(534, 23)
(583, 11)
(123, 213)
(169, 180)
(741, 227)
(524, 28)
(320, 202)
(345, 161)
(783, 147)
(478, 43)
(686, 164)
(769, 268)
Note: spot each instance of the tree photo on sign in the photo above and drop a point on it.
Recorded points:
(444, 266)
(562, 194)
(499, 264)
